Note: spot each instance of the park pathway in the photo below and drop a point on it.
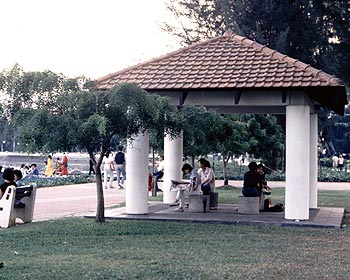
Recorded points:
(72, 200)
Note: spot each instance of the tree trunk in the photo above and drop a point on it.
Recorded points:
(192, 161)
(100, 213)
(224, 162)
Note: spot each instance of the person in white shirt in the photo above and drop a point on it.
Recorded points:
(108, 168)
(335, 162)
(207, 176)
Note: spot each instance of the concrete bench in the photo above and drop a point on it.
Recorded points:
(6, 205)
(199, 203)
(248, 205)
(9, 212)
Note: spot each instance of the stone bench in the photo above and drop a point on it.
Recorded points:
(248, 205)
(9, 212)
(199, 203)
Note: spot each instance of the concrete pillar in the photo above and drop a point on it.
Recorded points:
(173, 153)
(297, 162)
(313, 160)
(136, 192)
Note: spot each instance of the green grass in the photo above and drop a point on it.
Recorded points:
(82, 249)
(78, 248)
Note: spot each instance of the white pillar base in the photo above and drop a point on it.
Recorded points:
(136, 192)
(173, 152)
(297, 162)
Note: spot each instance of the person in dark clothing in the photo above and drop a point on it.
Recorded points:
(120, 162)
(91, 167)
(262, 180)
(251, 181)
(9, 178)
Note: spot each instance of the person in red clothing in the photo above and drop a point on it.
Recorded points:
(64, 168)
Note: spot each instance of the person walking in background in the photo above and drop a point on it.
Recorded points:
(64, 167)
(108, 168)
(340, 162)
(120, 167)
(335, 162)
(91, 167)
(49, 169)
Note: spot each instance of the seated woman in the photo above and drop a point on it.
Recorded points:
(194, 184)
(263, 183)
(207, 176)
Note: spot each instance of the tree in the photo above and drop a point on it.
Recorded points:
(266, 138)
(33, 90)
(198, 123)
(229, 137)
(96, 121)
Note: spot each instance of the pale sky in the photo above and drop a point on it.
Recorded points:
(82, 37)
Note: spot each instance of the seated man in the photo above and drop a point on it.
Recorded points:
(159, 174)
(251, 181)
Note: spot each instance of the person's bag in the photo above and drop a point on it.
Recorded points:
(278, 207)
(111, 166)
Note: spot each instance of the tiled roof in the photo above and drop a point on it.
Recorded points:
(227, 61)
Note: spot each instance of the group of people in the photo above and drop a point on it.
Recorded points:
(338, 162)
(202, 180)
(61, 167)
(113, 163)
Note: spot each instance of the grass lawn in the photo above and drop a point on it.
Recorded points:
(78, 248)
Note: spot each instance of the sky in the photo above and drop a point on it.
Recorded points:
(82, 37)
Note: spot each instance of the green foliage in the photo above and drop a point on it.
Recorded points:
(59, 181)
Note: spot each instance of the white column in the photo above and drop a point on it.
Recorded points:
(297, 162)
(173, 153)
(313, 160)
(136, 192)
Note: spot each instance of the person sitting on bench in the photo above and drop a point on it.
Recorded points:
(263, 183)
(251, 181)
(9, 178)
(159, 174)
(207, 176)
(195, 181)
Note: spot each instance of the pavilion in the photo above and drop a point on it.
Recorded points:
(233, 74)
